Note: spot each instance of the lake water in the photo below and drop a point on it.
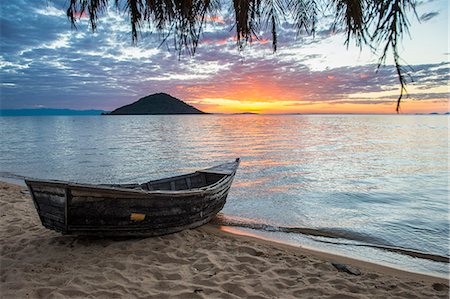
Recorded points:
(370, 182)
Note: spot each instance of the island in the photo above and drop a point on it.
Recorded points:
(158, 103)
(246, 113)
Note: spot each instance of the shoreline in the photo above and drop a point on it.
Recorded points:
(218, 229)
(328, 255)
(206, 262)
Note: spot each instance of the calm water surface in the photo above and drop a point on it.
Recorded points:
(369, 180)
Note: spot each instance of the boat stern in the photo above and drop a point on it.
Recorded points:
(50, 201)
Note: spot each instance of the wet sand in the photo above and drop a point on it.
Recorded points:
(203, 263)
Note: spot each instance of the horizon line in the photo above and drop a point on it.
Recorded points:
(215, 113)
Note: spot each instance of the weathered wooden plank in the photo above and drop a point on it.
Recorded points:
(157, 223)
(211, 178)
(46, 221)
(161, 186)
(196, 181)
(59, 227)
(50, 197)
(105, 193)
(80, 212)
(143, 231)
(166, 180)
(52, 216)
(101, 212)
(49, 189)
(59, 211)
(151, 203)
(41, 200)
(96, 211)
(57, 202)
(59, 224)
(180, 185)
(66, 207)
(150, 199)
(188, 183)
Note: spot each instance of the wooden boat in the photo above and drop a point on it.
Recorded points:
(153, 208)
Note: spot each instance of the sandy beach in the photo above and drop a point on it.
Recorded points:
(202, 263)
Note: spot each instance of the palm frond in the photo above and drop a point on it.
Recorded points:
(134, 8)
(304, 15)
(247, 14)
(180, 19)
(93, 8)
(391, 25)
(271, 13)
(350, 13)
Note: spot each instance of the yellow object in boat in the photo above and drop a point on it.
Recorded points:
(137, 217)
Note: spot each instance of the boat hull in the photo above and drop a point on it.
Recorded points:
(105, 211)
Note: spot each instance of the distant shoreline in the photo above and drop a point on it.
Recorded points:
(49, 112)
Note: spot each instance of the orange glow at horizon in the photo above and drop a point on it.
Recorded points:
(270, 98)
(282, 107)
(256, 93)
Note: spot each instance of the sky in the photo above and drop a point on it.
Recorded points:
(46, 64)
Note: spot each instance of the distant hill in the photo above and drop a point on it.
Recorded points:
(48, 111)
(158, 103)
(245, 113)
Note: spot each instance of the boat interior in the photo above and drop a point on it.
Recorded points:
(183, 182)
(189, 181)
(194, 180)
